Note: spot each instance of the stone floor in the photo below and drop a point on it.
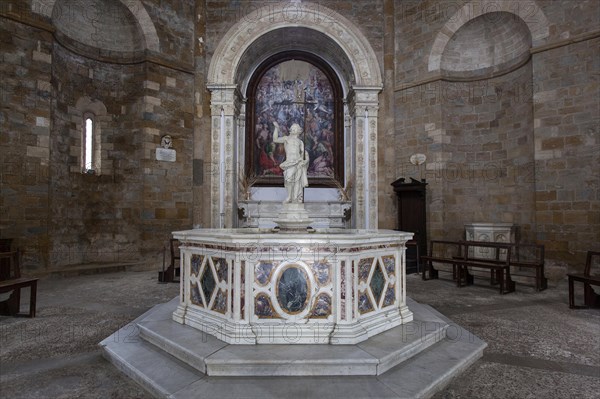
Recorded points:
(537, 346)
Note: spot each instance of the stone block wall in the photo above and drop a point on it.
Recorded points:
(94, 217)
(26, 96)
(488, 143)
(174, 22)
(536, 128)
(166, 108)
(58, 215)
(567, 149)
(517, 142)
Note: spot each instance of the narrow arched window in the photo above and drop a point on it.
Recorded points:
(89, 144)
(89, 161)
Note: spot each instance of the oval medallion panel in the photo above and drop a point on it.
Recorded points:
(292, 290)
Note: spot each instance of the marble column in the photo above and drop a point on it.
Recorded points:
(225, 112)
(364, 107)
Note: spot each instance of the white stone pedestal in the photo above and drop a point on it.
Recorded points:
(293, 216)
(490, 232)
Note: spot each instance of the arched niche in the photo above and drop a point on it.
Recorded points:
(528, 12)
(302, 27)
(314, 102)
(126, 16)
(488, 118)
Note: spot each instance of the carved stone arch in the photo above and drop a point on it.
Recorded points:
(45, 7)
(531, 14)
(234, 61)
(231, 48)
(86, 104)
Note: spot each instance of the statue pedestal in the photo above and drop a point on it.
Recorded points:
(293, 216)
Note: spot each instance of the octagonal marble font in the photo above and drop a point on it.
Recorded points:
(247, 286)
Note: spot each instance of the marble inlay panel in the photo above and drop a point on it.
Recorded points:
(322, 272)
(364, 268)
(220, 304)
(221, 268)
(390, 296)
(263, 307)
(353, 290)
(343, 291)
(195, 297)
(377, 283)
(263, 271)
(364, 303)
(196, 262)
(208, 283)
(292, 290)
(322, 307)
(390, 264)
(243, 290)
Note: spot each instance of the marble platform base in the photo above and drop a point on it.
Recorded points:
(171, 360)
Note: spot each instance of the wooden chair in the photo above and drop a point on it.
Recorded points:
(11, 281)
(590, 298)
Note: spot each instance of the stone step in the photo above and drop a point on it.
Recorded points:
(187, 344)
(155, 370)
(217, 358)
(426, 371)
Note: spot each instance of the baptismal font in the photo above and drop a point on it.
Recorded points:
(292, 284)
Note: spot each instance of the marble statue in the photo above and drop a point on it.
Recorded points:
(295, 164)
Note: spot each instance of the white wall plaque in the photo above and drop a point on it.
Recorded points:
(166, 154)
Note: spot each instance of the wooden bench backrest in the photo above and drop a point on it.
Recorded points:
(528, 253)
(10, 265)
(588, 264)
(443, 247)
(498, 247)
(174, 244)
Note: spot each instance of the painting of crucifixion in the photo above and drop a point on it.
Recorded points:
(289, 92)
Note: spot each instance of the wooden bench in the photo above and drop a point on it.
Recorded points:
(11, 281)
(458, 254)
(590, 298)
(174, 268)
(530, 256)
(522, 256)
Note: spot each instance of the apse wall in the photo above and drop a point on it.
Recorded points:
(94, 217)
(488, 171)
(139, 86)
(26, 96)
(511, 132)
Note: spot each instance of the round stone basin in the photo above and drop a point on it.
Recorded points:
(331, 286)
